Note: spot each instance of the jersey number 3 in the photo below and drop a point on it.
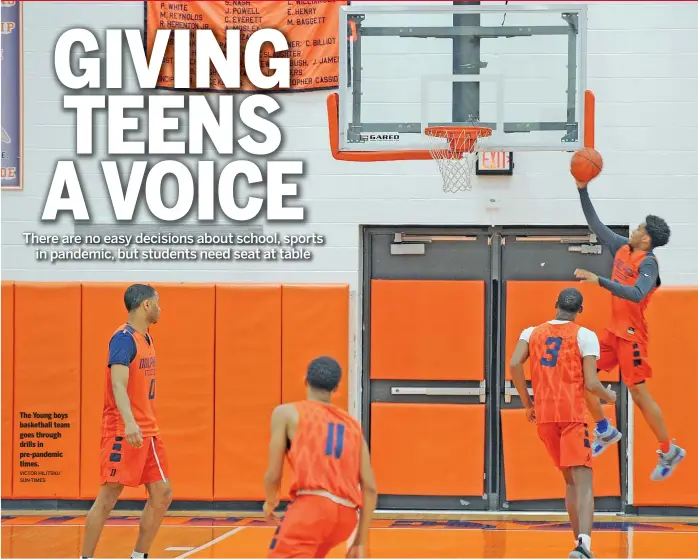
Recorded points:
(332, 446)
(551, 353)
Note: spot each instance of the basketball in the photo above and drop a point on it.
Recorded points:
(586, 164)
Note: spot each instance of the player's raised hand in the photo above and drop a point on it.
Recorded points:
(133, 435)
(586, 276)
(268, 510)
(581, 185)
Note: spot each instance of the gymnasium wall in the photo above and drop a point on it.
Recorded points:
(642, 65)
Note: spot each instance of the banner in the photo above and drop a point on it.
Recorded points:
(311, 29)
(11, 95)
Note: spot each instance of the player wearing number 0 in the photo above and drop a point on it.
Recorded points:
(132, 452)
(633, 281)
(563, 367)
(333, 482)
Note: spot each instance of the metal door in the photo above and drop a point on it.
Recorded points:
(535, 265)
(428, 421)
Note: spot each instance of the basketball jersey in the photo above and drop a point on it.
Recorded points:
(140, 389)
(325, 453)
(557, 375)
(628, 318)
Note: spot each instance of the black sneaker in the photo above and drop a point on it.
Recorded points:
(580, 552)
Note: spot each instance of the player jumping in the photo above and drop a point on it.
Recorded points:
(332, 467)
(132, 452)
(563, 367)
(634, 279)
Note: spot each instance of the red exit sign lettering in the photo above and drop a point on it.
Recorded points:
(495, 163)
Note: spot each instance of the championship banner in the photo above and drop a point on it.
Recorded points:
(311, 29)
(11, 95)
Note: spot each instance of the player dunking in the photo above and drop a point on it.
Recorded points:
(132, 452)
(634, 279)
(332, 468)
(563, 367)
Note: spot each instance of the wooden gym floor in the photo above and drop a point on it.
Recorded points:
(26, 536)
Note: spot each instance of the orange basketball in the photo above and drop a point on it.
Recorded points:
(586, 164)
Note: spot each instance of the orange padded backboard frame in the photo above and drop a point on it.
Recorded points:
(423, 154)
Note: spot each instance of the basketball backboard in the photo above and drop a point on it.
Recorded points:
(517, 69)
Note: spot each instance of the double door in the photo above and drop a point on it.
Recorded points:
(442, 312)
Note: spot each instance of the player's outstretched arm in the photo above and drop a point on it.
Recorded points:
(592, 382)
(277, 452)
(647, 278)
(519, 378)
(119, 385)
(370, 499)
(612, 240)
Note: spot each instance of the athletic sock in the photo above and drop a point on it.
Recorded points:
(586, 541)
(139, 555)
(665, 446)
(602, 426)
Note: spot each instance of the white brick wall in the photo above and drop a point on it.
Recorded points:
(642, 65)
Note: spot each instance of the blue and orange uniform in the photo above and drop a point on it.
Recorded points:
(634, 279)
(325, 456)
(556, 350)
(121, 462)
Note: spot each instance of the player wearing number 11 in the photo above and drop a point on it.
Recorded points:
(333, 479)
(132, 452)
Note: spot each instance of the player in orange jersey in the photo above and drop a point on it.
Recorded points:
(132, 452)
(333, 478)
(563, 364)
(633, 281)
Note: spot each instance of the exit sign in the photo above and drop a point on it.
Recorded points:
(495, 163)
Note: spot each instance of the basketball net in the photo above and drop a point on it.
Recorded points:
(457, 158)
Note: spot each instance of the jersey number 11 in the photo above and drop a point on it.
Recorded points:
(332, 446)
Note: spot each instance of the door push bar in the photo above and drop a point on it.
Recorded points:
(480, 391)
(510, 390)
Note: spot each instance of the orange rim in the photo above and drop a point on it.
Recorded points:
(462, 139)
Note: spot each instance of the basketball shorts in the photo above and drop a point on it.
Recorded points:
(130, 466)
(630, 356)
(567, 443)
(312, 527)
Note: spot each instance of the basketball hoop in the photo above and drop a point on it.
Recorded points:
(457, 159)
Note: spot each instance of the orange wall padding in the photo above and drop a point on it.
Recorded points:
(315, 322)
(8, 343)
(529, 471)
(530, 303)
(427, 329)
(104, 311)
(674, 386)
(248, 386)
(47, 381)
(428, 449)
(184, 348)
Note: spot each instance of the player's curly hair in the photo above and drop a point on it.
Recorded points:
(658, 230)
(324, 373)
(136, 294)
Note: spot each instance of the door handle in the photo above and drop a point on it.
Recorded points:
(480, 391)
(510, 390)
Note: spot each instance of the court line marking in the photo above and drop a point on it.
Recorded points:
(426, 528)
(212, 542)
(188, 548)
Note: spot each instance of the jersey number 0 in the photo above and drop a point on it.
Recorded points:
(552, 352)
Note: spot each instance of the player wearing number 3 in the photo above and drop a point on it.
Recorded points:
(563, 368)
(333, 479)
(132, 452)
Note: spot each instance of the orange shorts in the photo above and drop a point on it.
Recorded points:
(567, 443)
(312, 526)
(127, 465)
(630, 356)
